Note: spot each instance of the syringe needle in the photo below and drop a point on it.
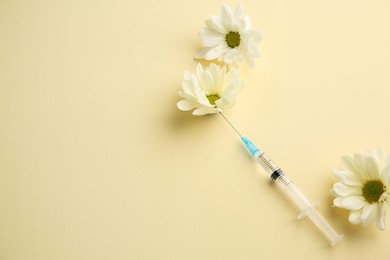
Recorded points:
(230, 124)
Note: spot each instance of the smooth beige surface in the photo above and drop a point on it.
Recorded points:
(96, 162)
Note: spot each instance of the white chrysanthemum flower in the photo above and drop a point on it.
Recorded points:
(229, 39)
(364, 187)
(210, 90)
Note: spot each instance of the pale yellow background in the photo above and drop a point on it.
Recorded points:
(96, 162)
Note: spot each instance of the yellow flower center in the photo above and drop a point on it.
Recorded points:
(372, 190)
(233, 39)
(212, 99)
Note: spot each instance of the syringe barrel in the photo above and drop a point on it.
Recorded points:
(289, 188)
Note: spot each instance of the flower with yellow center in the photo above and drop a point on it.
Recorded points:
(229, 39)
(364, 187)
(210, 90)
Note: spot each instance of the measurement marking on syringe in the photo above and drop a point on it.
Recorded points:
(268, 162)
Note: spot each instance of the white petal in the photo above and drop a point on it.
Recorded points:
(216, 52)
(346, 177)
(233, 85)
(372, 169)
(250, 61)
(226, 16)
(200, 111)
(386, 175)
(188, 87)
(202, 53)
(234, 27)
(348, 164)
(209, 32)
(245, 23)
(354, 217)
(253, 51)
(384, 196)
(257, 36)
(225, 102)
(231, 56)
(194, 85)
(368, 213)
(186, 96)
(351, 203)
(379, 155)
(381, 219)
(359, 162)
(186, 105)
(211, 38)
(233, 89)
(187, 75)
(202, 78)
(212, 41)
(202, 99)
(235, 66)
(199, 69)
(214, 68)
(239, 11)
(344, 190)
(218, 77)
(387, 159)
(333, 192)
(216, 24)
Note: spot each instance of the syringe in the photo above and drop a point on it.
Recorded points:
(290, 189)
